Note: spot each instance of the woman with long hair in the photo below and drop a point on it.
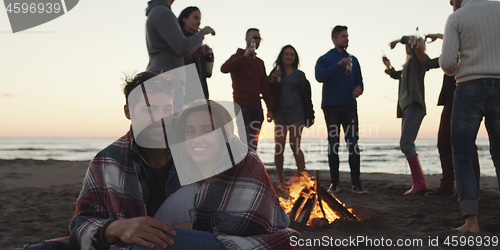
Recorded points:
(203, 58)
(232, 202)
(411, 106)
(290, 91)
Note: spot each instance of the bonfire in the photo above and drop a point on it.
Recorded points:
(308, 203)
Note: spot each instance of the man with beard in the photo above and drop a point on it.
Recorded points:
(129, 180)
(340, 74)
(250, 85)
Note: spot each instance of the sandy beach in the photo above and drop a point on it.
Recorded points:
(37, 200)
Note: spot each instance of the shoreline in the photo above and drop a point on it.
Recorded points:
(37, 202)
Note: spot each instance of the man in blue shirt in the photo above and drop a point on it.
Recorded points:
(340, 74)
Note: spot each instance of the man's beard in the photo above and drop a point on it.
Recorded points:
(152, 136)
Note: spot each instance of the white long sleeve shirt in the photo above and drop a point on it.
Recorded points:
(472, 33)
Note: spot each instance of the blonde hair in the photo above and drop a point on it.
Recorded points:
(421, 44)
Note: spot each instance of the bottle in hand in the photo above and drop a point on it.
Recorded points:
(415, 39)
(348, 67)
(254, 46)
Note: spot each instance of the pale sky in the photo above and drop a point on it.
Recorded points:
(63, 78)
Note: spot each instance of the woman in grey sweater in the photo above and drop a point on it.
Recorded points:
(167, 45)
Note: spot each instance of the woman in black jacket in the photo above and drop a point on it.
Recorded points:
(292, 107)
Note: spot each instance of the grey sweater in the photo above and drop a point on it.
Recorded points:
(473, 32)
(165, 41)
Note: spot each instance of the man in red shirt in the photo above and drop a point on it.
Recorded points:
(250, 85)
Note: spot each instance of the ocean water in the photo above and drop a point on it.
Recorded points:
(377, 155)
(71, 149)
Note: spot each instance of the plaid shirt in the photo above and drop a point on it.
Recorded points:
(241, 208)
(115, 187)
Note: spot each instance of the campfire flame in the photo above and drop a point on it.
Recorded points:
(303, 185)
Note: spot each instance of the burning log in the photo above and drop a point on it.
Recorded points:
(318, 184)
(304, 215)
(302, 207)
(298, 204)
(335, 205)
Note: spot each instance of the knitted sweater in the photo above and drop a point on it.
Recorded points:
(472, 32)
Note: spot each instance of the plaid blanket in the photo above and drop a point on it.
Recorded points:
(242, 209)
(114, 188)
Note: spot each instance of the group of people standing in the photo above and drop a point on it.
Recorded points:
(469, 93)
(287, 94)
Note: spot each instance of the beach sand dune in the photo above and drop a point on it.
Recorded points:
(37, 201)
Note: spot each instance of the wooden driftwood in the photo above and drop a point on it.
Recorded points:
(298, 203)
(304, 215)
(318, 184)
(335, 205)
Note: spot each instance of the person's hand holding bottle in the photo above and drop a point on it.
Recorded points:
(275, 76)
(386, 62)
(208, 30)
(250, 51)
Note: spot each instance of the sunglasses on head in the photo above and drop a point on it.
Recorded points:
(152, 86)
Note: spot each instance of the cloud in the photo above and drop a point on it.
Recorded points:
(7, 95)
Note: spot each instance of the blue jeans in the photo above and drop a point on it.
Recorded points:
(410, 124)
(253, 118)
(471, 104)
(187, 239)
(347, 116)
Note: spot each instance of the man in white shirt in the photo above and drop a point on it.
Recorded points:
(473, 33)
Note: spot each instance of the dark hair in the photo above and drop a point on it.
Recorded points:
(186, 13)
(252, 29)
(279, 60)
(337, 30)
(132, 83)
(219, 116)
(218, 113)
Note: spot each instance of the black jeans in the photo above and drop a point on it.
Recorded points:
(253, 118)
(347, 116)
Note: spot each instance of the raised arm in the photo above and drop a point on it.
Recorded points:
(403, 40)
(166, 24)
(422, 57)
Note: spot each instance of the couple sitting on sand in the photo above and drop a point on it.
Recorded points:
(132, 195)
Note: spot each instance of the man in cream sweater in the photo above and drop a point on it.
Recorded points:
(473, 33)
